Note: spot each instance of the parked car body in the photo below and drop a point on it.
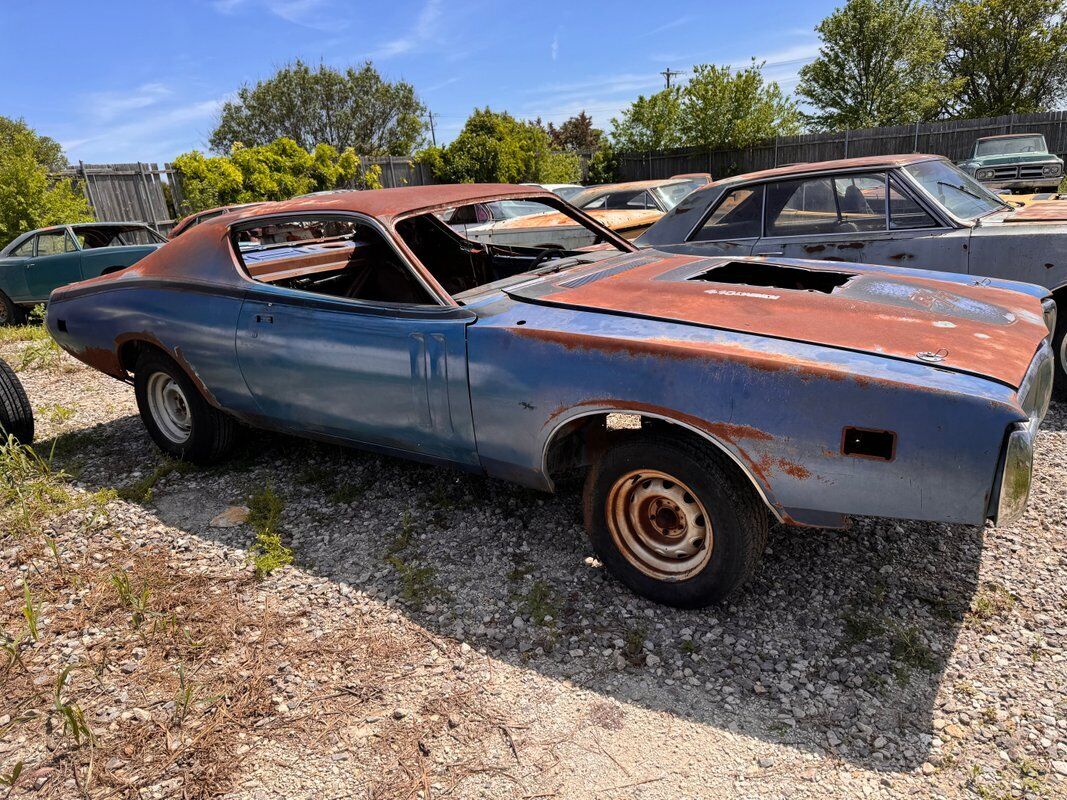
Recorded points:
(201, 216)
(1018, 161)
(909, 210)
(37, 262)
(629, 209)
(910, 394)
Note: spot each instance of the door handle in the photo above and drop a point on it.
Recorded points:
(265, 319)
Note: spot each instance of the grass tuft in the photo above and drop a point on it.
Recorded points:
(264, 515)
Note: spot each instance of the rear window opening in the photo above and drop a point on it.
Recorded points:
(775, 276)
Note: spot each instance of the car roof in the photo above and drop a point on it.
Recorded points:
(388, 204)
(1008, 136)
(806, 168)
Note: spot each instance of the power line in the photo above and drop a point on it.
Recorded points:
(670, 73)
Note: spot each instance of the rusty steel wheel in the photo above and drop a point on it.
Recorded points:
(659, 524)
(674, 518)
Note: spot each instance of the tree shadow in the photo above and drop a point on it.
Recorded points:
(837, 647)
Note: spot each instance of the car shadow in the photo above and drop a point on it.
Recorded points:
(839, 645)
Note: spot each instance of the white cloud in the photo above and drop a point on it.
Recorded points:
(316, 14)
(157, 136)
(554, 47)
(106, 106)
(667, 26)
(423, 32)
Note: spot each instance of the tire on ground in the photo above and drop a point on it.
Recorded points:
(737, 518)
(16, 414)
(210, 433)
(10, 312)
(1059, 349)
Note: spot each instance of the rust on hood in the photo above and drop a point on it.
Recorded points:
(616, 219)
(1040, 211)
(977, 329)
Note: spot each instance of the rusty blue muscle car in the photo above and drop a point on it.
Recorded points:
(701, 396)
(907, 210)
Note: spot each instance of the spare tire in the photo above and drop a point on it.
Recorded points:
(16, 415)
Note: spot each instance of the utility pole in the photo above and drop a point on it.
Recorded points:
(670, 73)
(433, 133)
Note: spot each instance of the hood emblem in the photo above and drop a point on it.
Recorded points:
(933, 358)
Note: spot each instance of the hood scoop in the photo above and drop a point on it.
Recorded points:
(775, 276)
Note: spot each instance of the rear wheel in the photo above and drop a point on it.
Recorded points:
(177, 417)
(16, 414)
(10, 314)
(674, 520)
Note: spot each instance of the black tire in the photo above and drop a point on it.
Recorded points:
(10, 313)
(1059, 349)
(16, 414)
(211, 433)
(738, 517)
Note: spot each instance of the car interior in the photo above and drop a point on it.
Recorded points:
(339, 256)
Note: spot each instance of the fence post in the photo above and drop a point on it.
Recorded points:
(776, 151)
(88, 188)
(846, 144)
(1011, 124)
(150, 209)
(915, 146)
(392, 174)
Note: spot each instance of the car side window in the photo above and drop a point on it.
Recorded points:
(51, 243)
(737, 216)
(905, 213)
(331, 256)
(861, 199)
(25, 250)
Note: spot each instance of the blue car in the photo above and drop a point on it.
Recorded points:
(702, 397)
(39, 261)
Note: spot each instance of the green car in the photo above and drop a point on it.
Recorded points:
(40, 261)
(1017, 161)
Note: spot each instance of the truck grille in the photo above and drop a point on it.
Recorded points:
(1005, 173)
(1033, 171)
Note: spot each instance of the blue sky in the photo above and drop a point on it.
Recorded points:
(125, 80)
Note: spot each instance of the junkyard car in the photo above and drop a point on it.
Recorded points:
(37, 262)
(564, 190)
(1019, 161)
(912, 210)
(700, 394)
(627, 208)
(202, 216)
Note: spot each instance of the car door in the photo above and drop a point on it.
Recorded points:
(13, 271)
(56, 262)
(731, 228)
(386, 374)
(866, 218)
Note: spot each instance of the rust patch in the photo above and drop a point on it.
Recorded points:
(1049, 266)
(851, 246)
(814, 248)
(901, 257)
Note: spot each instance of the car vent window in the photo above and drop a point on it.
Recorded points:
(24, 250)
(737, 216)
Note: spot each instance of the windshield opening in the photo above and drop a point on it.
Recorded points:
(470, 249)
(958, 192)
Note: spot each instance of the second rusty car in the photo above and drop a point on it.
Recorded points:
(701, 396)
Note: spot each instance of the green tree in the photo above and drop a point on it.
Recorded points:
(497, 148)
(650, 123)
(604, 164)
(1009, 56)
(576, 133)
(881, 62)
(353, 108)
(275, 171)
(723, 108)
(30, 196)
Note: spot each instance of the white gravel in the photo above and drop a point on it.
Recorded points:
(892, 660)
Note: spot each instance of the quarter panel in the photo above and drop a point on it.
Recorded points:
(1021, 251)
(778, 407)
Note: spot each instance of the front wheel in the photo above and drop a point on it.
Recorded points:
(1059, 349)
(177, 417)
(10, 313)
(674, 520)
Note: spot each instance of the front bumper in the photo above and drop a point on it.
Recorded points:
(1024, 183)
(1016, 468)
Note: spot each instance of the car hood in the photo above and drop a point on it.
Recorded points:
(1014, 158)
(1032, 211)
(903, 314)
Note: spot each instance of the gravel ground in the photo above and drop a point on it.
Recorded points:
(443, 635)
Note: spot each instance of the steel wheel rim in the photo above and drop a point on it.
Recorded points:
(1063, 354)
(659, 525)
(169, 407)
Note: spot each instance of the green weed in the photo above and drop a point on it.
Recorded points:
(264, 515)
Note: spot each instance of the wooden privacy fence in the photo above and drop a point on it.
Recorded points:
(951, 138)
(125, 192)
